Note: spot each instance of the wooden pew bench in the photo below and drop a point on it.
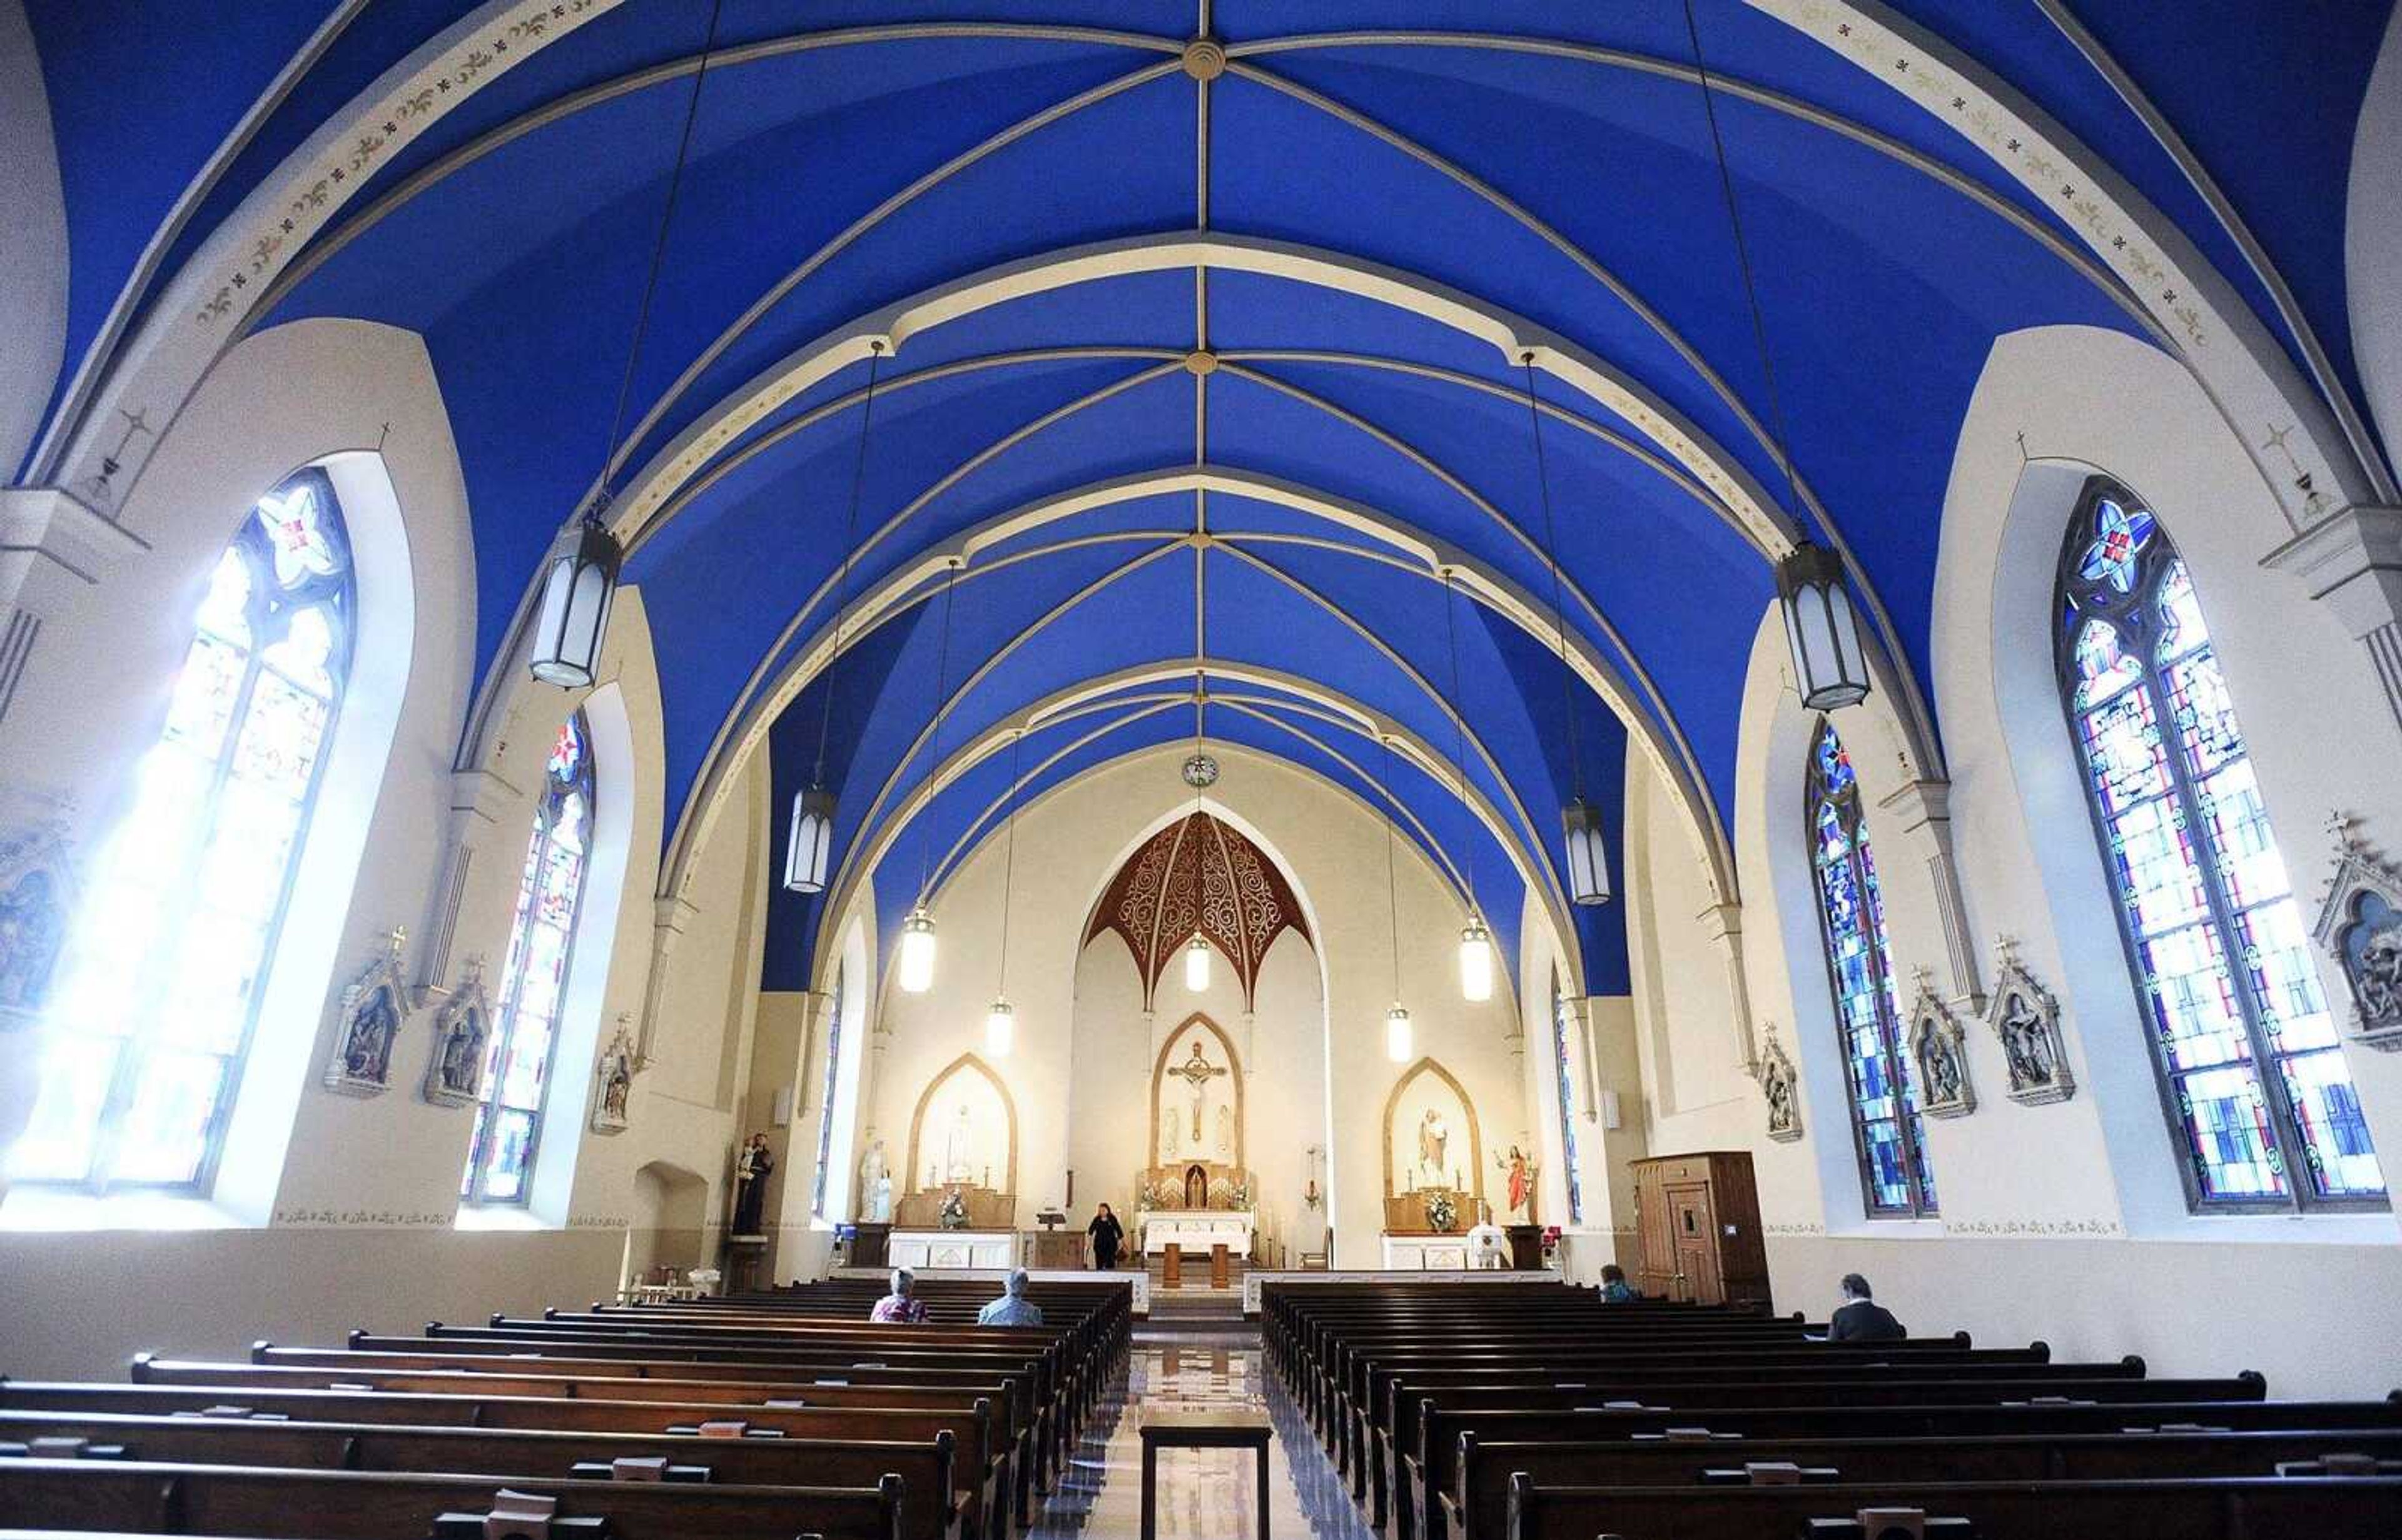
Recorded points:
(145, 1498)
(1475, 1507)
(2203, 1508)
(931, 1508)
(981, 1464)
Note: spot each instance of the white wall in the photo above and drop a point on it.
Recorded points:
(2066, 1221)
(354, 1225)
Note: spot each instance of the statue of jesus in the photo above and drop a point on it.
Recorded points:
(959, 1148)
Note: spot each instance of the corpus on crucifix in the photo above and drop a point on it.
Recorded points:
(1197, 1072)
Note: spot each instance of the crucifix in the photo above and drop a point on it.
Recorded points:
(1197, 1072)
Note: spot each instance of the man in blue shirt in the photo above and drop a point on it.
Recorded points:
(1010, 1308)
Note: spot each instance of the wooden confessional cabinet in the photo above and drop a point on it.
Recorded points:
(1697, 1230)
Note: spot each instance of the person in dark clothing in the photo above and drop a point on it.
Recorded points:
(1862, 1319)
(1615, 1289)
(1107, 1233)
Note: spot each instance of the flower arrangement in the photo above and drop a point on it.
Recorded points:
(954, 1212)
(1441, 1212)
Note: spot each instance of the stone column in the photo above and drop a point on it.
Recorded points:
(1722, 923)
(1922, 814)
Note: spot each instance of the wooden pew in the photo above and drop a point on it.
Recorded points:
(1476, 1506)
(2200, 1508)
(1003, 1449)
(1442, 1433)
(931, 1507)
(145, 1498)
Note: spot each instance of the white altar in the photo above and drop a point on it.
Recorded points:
(1197, 1229)
(953, 1248)
(1426, 1253)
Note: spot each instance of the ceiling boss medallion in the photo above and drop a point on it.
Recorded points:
(1200, 772)
(1205, 59)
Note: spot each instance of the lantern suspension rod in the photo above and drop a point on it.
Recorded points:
(849, 553)
(1552, 556)
(1777, 442)
(934, 727)
(599, 506)
(1008, 864)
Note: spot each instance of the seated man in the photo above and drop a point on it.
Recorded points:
(1011, 1308)
(1862, 1319)
(901, 1307)
(1615, 1290)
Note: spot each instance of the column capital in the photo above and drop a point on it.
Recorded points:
(2352, 561)
(54, 547)
(1918, 804)
(482, 796)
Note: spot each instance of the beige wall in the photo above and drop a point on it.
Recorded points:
(1087, 1107)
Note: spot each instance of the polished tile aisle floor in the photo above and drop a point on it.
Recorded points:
(1202, 1492)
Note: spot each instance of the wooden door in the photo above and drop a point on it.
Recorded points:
(1692, 1222)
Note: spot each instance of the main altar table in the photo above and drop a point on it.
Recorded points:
(1197, 1229)
(953, 1248)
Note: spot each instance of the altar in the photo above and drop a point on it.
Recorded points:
(1196, 1230)
(945, 1249)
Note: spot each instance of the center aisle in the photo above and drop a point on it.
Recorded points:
(1202, 1492)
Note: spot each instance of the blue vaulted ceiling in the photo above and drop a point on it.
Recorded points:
(1552, 164)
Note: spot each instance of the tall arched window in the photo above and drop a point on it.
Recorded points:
(1561, 1014)
(833, 1073)
(533, 984)
(1891, 1137)
(2217, 944)
(153, 1012)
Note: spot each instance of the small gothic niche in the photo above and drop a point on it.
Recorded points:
(1938, 1053)
(1778, 1084)
(612, 1081)
(462, 1031)
(367, 1024)
(2360, 924)
(2026, 1018)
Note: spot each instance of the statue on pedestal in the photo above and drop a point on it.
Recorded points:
(876, 1186)
(751, 1167)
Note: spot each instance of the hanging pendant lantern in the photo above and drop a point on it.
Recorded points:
(1396, 1033)
(574, 616)
(1588, 859)
(1829, 670)
(811, 845)
(1476, 962)
(1197, 964)
(918, 952)
(999, 1029)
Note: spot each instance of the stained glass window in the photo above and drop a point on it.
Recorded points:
(1561, 1015)
(146, 1030)
(2255, 1086)
(825, 1101)
(534, 983)
(1886, 1128)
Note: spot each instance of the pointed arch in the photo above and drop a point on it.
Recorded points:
(1235, 1072)
(965, 1063)
(1430, 1065)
